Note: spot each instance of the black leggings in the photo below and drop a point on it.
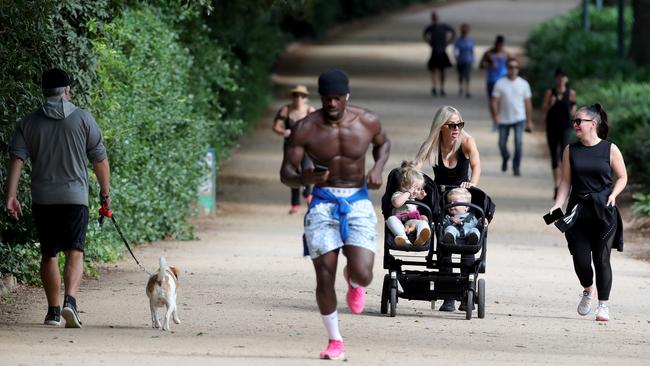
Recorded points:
(557, 141)
(295, 194)
(585, 243)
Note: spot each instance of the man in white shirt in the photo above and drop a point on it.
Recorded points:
(511, 109)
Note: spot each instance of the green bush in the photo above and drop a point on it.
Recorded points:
(561, 42)
(155, 140)
(642, 204)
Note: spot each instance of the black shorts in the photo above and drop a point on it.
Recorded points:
(438, 61)
(60, 227)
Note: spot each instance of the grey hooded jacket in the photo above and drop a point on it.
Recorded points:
(57, 138)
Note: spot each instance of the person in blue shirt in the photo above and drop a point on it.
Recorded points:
(494, 62)
(464, 53)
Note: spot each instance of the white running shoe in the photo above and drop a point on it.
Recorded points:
(584, 307)
(602, 313)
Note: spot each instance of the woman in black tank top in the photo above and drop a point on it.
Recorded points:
(452, 152)
(283, 123)
(559, 106)
(452, 176)
(593, 221)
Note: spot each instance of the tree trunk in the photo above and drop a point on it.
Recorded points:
(640, 45)
(614, 2)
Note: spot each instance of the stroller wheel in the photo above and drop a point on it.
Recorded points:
(470, 305)
(385, 293)
(393, 301)
(481, 298)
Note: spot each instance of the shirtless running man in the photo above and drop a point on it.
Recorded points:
(341, 215)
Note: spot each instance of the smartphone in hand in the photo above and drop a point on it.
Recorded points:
(553, 216)
(320, 168)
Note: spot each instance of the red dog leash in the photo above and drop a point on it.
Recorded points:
(104, 211)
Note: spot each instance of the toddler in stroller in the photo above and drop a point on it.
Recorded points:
(432, 277)
(460, 222)
(405, 217)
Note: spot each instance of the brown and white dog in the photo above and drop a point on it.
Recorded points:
(161, 290)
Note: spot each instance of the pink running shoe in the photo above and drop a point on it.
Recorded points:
(356, 296)
(334, 351)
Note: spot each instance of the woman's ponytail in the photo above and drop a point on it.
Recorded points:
(603, 126)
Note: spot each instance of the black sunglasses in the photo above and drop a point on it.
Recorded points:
(578, 121)
(453, 126)
(513, 66)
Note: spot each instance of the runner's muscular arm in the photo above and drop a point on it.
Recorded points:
(293, 156)
(290, 162)
(380, 151)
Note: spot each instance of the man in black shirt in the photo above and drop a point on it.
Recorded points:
(438, 36)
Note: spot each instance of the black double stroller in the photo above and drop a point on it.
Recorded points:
(436, 278)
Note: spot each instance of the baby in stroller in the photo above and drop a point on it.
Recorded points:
(405, 217)
(459, 222)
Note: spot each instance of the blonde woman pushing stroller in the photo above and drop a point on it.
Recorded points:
(406, 218)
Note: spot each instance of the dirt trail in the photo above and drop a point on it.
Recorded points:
(247, 295)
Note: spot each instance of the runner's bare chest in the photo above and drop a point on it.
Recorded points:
(345, 141)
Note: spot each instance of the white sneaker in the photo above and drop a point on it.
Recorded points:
(602, 313)
(584, 307)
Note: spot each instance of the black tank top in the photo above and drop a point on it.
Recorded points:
(590, 168)
(452, 176)
(559, 115)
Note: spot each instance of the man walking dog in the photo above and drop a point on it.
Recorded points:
(57, 138)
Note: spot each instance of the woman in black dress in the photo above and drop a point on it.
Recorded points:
(592, 225)
(559, 105)
(453, 154)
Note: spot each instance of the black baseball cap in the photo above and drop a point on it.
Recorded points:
(333, 82)
(54, 78)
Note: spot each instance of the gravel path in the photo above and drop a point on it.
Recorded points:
(247, 295)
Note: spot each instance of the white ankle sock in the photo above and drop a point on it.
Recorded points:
(331, 322)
